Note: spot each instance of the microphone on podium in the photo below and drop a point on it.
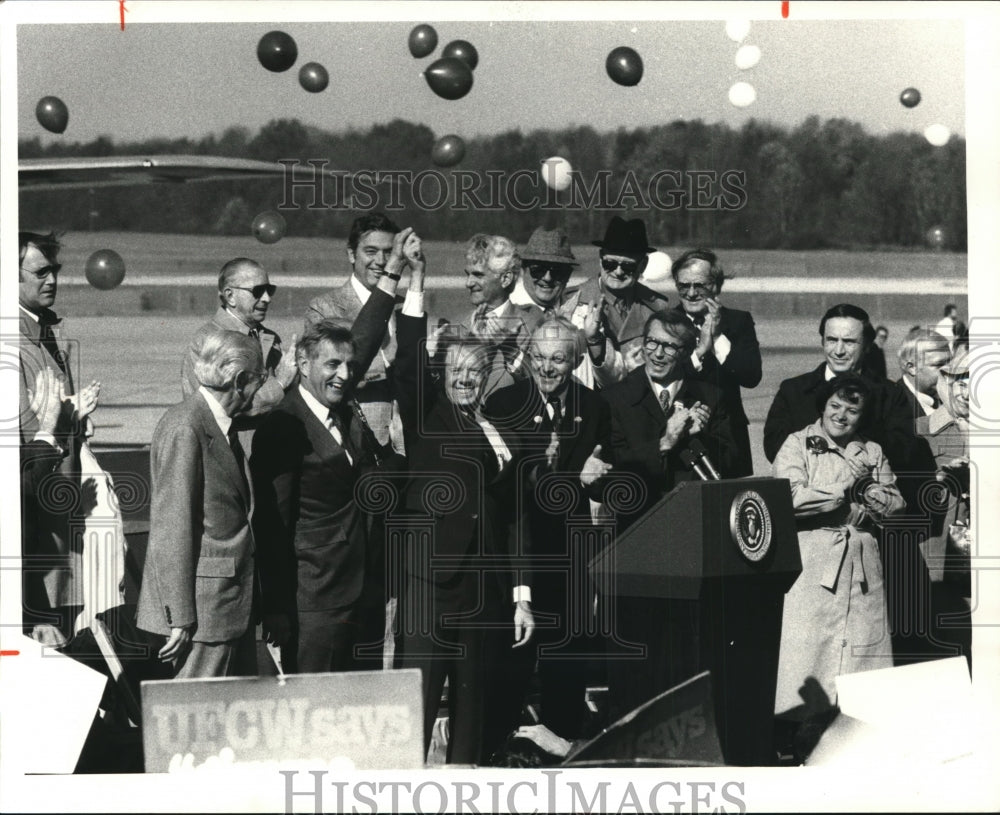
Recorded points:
(696, 457)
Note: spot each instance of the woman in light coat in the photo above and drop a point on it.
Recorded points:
(835, 615)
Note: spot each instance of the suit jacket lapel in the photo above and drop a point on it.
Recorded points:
(643, 395)
(218, 446)
(320, 435)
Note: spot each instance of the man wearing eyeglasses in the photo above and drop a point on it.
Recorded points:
(656, 410)
(613, 305)
(564, 428)
(655, 413)
(727, 353)
(245, 293)
(53, 565)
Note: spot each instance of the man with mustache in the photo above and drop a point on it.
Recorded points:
(312, 535)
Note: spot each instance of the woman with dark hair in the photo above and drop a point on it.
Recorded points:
(835, 616)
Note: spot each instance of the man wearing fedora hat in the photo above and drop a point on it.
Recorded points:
(613, 305)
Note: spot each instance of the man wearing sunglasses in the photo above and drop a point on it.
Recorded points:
(245, 293)
(547, 261)
(613, 305)
(727, 353)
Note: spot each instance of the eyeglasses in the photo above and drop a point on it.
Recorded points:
(630, 267)
(652, 346)
(45, 271)
(556, 270)
(258, 290)
(695, 288)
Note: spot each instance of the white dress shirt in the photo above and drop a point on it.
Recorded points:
(322, 413)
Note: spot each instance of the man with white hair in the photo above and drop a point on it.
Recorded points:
(198, 579)
(921, 357)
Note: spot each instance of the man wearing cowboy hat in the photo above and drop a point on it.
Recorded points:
(613, 305)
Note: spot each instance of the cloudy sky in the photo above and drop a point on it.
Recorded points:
(171, 80)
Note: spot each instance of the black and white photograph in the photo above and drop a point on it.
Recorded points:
(421, 406)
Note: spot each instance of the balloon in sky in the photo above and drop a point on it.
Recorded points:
(449, 77)
(269, 227)
(624, 66)
(937, 135)
(936, 237)
(423, 40)
(910, 98)
(463, 50)
(52, 113)
(277, 51)
(448, 150)
(313, 77)
(556, 172)
(742, 94)
(104, 269)
(747, 56)
(737, 30)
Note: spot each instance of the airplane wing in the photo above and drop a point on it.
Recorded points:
(64, 173)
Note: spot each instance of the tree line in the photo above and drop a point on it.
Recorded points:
(820, 184)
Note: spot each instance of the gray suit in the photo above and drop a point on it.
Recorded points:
(200, 561)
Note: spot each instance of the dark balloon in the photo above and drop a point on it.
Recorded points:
(277, 51)
(313, 77)
(910, 98)
(269, 227)
(448, 150)
(449, 77)
(463, 50)
(624, 66)
(105, 269)
(423, 40)
(52, 113)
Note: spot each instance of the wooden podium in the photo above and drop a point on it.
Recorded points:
(706, 570)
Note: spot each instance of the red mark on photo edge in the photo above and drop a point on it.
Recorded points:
(9, 653)
(122, 10)
(784, 10)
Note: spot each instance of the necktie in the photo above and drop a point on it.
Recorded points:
(339, 433)
(665, 401)
(238, 454)
(479, 324)
(255, 334)
(556, 411)
(698, 320)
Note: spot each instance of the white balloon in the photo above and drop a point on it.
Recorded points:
(747, 56)
(937, 135)
(737, 30)
(556, 172)
(742, 94)
(657, 275)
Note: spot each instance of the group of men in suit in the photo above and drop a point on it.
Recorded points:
(501, 439)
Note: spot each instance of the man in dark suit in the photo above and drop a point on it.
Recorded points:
(306, 458)
(563, 428)
(460, 592)
(655, 414)
(727, 353)
(921, 357)
(845, 332)
(53, 562)
(197, 583)
(245, 293)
